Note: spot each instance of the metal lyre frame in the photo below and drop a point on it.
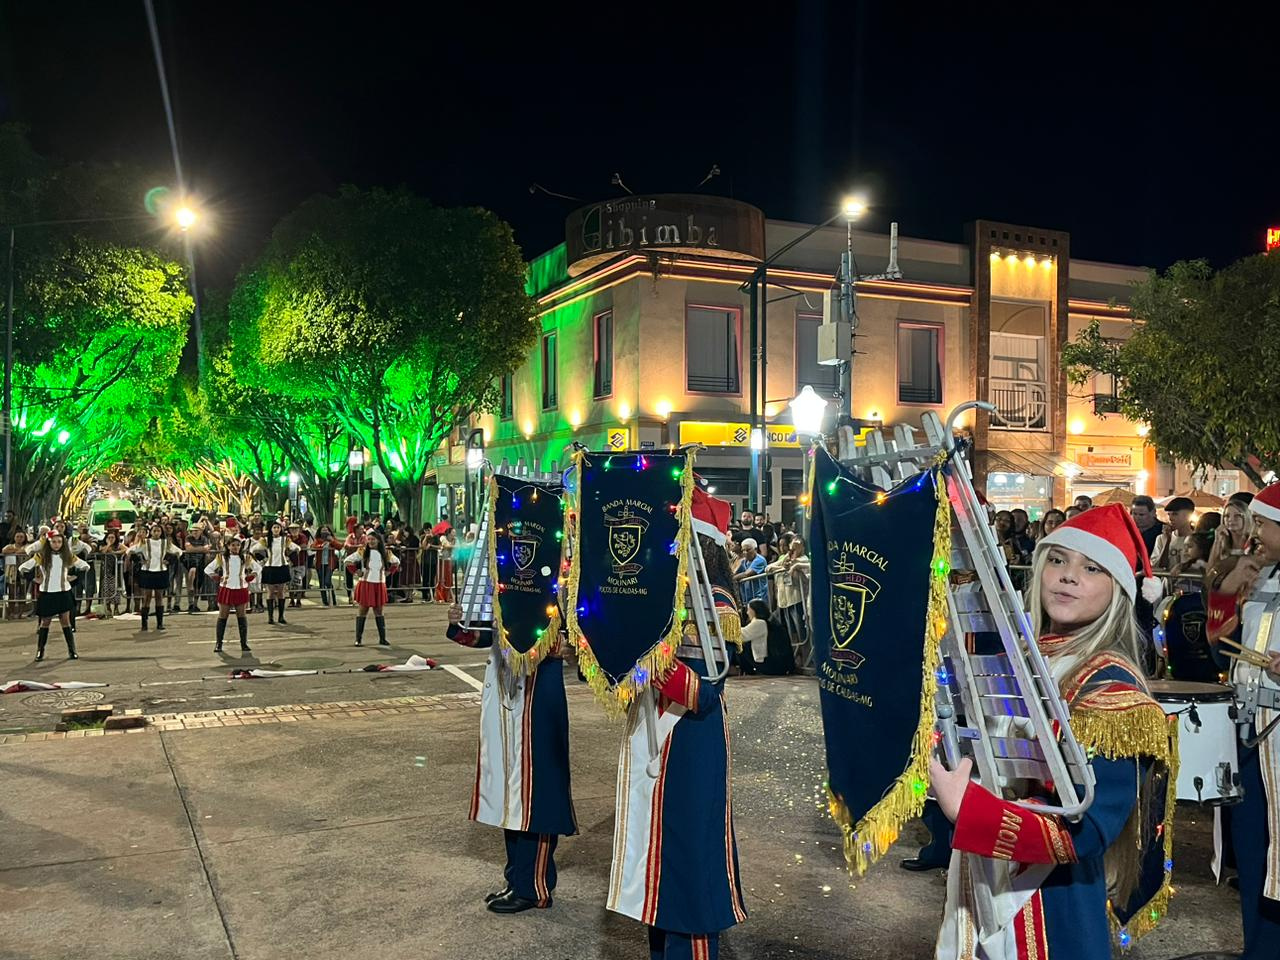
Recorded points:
(1003, 710)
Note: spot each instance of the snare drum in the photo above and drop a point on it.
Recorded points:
(1208, 767)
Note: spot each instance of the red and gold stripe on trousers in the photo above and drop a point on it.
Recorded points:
(540, 870)
(1032, 943)
(653, 874)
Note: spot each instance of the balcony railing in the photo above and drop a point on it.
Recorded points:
(1020, 404)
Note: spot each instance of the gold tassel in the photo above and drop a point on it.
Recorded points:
(517, 661)
(1162, 745)
(656, 665)
(731, 628)
(867, 840)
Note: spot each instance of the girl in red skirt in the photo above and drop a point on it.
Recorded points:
(234, 570)
(371, 564)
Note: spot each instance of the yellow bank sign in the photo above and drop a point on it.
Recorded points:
(717, 434)
(618, 439)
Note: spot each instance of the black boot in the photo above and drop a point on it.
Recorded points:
(145, 614)
(160, 617)
(381, 624)
(42, 637)
(242, 624)
(359, 631)
(280, 616)
(73, 617)
(70, 637)
(222, 632)
(271, 610)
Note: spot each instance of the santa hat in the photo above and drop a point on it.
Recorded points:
(1109, 537)
(711, 516)
(1267, 503)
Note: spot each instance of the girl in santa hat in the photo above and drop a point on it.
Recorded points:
(56, 567)
(1055, 881)
(371, 564)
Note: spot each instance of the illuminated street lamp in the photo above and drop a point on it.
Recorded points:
(807, 410)
(186, 217)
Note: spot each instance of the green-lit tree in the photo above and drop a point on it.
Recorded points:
(1203, 364)
(394, 314)
(100, 319)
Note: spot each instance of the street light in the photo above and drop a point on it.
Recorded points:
(185, 217)
(806, 412)
(851, 208)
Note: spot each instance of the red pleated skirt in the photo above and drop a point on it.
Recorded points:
(371, 594)
(233, 598)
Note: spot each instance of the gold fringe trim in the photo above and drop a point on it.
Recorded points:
(867, 840)
(731, 628)
(520, 663)
(656, 665)
(1138, 732)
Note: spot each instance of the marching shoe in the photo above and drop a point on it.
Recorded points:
(916, 865)
(498, 895)
(512, 903)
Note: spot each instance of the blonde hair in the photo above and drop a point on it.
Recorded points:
(1115, 631)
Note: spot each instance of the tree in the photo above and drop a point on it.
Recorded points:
(395, 314)
(1203, 364)
(99, 320)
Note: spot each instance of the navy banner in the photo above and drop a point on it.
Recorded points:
(526, 530)
(630, 534)
(875, 568)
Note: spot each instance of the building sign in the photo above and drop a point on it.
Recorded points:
(1113, 461)
(1273, 238)
(618, 439)
(672, 223)
(716, 434)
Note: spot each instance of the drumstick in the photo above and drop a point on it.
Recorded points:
(1247, 650)
(1253, 659)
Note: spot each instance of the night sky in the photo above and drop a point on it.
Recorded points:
(1151, 136)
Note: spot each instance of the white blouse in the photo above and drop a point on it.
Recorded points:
(373, 569)
(756, 634)
(238, 570)
(155, 554)
(56, 578)
(278, 553)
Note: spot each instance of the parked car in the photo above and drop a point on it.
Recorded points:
(101, 511)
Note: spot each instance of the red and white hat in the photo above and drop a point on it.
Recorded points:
(1108, 536)
(711, 516)
(1267, 503)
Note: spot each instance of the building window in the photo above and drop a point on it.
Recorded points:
(549, 383)
(504, 411)
(713, 359)
(603, 355)
(1106, 386)
(823, 378)
(919, 363)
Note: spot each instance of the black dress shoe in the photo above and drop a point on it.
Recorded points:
(511, 903)
(916, 865)
(490, 897)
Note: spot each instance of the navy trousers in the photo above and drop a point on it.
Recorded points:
(665, 945)
(1249, 837)
(531, 865)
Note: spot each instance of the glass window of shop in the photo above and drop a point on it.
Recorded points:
(1009, 491)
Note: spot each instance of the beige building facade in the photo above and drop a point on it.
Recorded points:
(645, 344)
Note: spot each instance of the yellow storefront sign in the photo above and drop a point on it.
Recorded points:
(618, 439)
(717, 434)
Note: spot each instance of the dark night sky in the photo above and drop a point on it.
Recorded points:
(1151, 136)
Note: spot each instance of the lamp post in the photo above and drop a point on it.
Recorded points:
(851, 209)
(474, 472)
(807, 410)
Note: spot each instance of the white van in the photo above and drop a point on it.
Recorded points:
(100, 511)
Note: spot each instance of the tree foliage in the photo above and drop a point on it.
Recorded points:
(394, 314)
(1203, 365)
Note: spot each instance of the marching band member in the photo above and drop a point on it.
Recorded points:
(1255, 822)
(522, 769)
(153, 578)
(275, 549)
(675, 854)
(373, 562)
(234, 569)
(1048, 879)
(54, 562)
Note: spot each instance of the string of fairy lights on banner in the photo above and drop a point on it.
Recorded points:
(515, 528)
(658, 661)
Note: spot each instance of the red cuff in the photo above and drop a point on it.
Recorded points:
(992, 827)
(682, 686)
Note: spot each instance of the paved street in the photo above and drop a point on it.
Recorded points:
(325, 816)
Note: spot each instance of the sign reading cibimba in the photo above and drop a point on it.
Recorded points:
(668, 222)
